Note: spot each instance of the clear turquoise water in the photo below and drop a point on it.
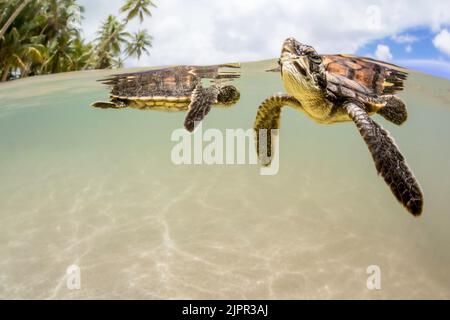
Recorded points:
(97, 188)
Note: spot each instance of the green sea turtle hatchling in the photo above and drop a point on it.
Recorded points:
(180, 88)
(337, 88)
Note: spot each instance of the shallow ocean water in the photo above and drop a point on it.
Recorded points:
(97, 188)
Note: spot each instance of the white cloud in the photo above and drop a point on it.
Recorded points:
(409, 48)
(383, 52)
(404, 38)
(442, 41)
(212, 31)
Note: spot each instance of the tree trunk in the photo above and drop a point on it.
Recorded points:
(5, 73)
(13, 17)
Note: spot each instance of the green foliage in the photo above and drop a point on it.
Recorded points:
(44, 36)
(111, 37)
(137, 8)
(140, 42)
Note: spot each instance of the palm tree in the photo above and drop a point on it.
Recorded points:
(118, 62)
(132, 8)
(60, 31)
(48, 30)
(61, 16)
(16, 53)
(13, 17)
(20, 48)
(43, 36)
(137, 8)
(138, 44)
(80, 54)
(59, 54)
(112, 36)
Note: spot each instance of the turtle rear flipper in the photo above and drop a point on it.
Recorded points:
(201, 101)
(394, 110)
(105, 105)
(389, 162)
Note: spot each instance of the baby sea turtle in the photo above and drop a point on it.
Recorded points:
(174, 89)
(337, 88)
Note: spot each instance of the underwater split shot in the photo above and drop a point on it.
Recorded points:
(192, 163)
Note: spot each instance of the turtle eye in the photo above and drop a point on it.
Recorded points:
(314, 57)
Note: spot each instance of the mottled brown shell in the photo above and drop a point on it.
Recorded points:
(364, 75)
(172, 82)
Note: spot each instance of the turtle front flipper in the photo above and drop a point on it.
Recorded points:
(389, 162)
(201, 101)
(268, 119)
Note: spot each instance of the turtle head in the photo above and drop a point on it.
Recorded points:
(301, 67)
(228, 95)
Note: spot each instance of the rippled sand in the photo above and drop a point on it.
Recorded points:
(97, 188)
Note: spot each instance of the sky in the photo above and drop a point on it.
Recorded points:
(410, 33)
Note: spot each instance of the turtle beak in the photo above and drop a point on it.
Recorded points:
(290, 53)
(289, 46)
(289, 50)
